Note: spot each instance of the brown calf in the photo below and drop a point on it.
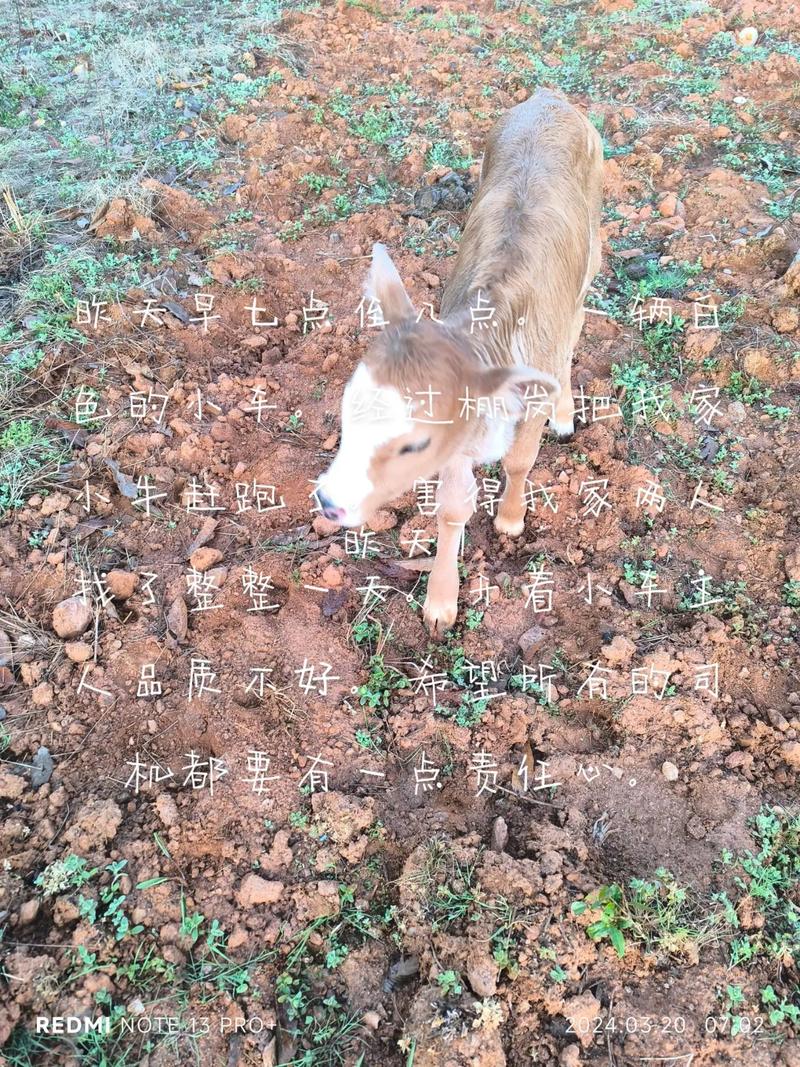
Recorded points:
(478, 385)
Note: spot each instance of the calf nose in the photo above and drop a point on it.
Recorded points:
(329, 509)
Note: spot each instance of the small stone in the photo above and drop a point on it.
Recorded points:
(499, 834)
(482, 972)
(582, 1011)
(786, 319)
(42, 695)
(668, 205)
(324, 527)
(382, 520)
(256, 890)
(5, 649)
(28, 911)
(54, 503)
(178, 618)
(78, 651)
(42, 770)
(121, 584)
(239, 936)
(167, 809)
(570, 1056)
(670, 771)
(332, 577)
(790, 753)
(72, 617)
(11, 785)
(370, 1019)
(255, 342)
(202, 559)
(619, 652)
(530, 640)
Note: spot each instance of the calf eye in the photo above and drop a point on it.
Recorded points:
(417, 446)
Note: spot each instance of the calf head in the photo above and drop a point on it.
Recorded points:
(403, 411)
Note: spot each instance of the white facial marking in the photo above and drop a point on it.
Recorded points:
(371, 416)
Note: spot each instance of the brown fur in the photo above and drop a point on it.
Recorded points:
(530, 249)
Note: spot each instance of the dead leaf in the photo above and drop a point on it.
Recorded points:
(125, 484)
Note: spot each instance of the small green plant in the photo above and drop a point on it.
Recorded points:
(63, 875)
(449, 983)
(382, 682)
(612, 923)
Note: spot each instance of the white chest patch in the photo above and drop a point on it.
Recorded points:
(496, 439)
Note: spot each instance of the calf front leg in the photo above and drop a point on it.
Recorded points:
(517, 464)
(455, 498)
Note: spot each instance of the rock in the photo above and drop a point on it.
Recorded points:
(54, 503)
(786, 319)
(6, 652)
(78, 651)
(11, 785)
(42, 768)
(42, 695)
(531, 640)
(759, 363)
(620, 652)
(499, 834)
(28, 911)
(570, 1056)
(790, 753)
(72, 617)
(239, 937)
(332, 577)
(792, 565)
(96, 823)
(255, 342)
(670, 771)
(121, 584)
(482, 972)
(203, 559)
(792, 275)
(167, 809)
(256, 890)
(668, 206)
(382, 520)
(582, 1011)
(178, 618)
(279, 855)
(316, 899)
(324, 527)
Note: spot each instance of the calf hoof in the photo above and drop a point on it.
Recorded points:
(439, 616)
(509, 526)
(565, 430)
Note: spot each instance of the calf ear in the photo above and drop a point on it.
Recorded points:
(384, 285)
(521, 389)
